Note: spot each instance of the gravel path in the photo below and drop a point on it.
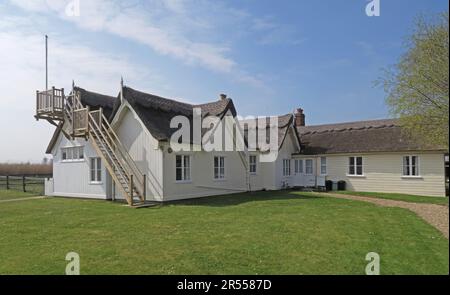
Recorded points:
(436, 215)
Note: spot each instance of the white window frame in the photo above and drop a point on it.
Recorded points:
(298, 166)
(95, 168)
(286, 167)
(410, 166)
(220, 168)
(185, 169)
(252, 164)
(306, 166)
(323, 165)
(355, 166)
(70, 152)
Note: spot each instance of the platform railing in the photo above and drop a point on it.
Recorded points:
(50, 102)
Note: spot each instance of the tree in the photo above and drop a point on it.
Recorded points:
(417, 87)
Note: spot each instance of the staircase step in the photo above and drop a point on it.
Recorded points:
(145, 204)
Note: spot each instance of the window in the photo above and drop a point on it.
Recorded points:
(75, 153)
(182, 168)
(286, 167)
(298, 166)
(96, 170)
(219, 167)
(323, 165)
(410, 166)
(309, 166)
(252, 164)
(355, 166)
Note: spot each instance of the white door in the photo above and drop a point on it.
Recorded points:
(309, 178)
(299, 172)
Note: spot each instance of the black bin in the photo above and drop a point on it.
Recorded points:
(341, 185)
(329, 185)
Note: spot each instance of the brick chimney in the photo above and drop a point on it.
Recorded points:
(299, 117)
(223, 96)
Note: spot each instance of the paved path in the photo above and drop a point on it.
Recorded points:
(436, 215)
(22, 199)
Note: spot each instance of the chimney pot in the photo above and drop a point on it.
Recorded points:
(223, 96)
(299, 117)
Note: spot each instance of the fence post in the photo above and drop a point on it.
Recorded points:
(23, 183)
(7, 182)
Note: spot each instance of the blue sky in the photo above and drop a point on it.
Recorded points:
(269, 56)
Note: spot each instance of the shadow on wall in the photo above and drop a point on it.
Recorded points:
(133, 130)
(131, 133)
(240, 198)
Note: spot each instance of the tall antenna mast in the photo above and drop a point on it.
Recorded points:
(46, 62)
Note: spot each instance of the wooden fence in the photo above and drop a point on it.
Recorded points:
(32, 184)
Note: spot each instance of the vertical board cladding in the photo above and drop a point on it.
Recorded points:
(144, 150)
(72, 178)
(383, 172)
(202, 182)
(287, 149)
(263, 178)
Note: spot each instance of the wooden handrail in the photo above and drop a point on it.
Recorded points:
(98, 132)
(115, 153)
(122, 149)
(50, 100)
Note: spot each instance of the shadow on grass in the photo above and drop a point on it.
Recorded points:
(240, 198)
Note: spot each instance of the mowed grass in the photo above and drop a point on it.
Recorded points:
(33, 185)
(255, 233)
(400, 197)
(13, 194)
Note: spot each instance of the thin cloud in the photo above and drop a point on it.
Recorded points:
(136, 23)
(186, 37)
(22, 62)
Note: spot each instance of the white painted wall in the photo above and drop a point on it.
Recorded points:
(202, 176)
(287, 149)
(143, 149)
(263, 170)
(383, 173)
(71, 179)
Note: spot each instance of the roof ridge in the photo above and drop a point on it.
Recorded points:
(350, 129)
(158, 96)
(93, 92)
(178, 101)
(353, 122)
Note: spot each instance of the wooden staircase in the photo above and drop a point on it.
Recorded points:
(79, 121)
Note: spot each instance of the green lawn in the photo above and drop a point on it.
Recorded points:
(33, 185)
(258, 233)
(400, 197)
(13, 194)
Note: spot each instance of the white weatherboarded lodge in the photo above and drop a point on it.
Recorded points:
(108, 147)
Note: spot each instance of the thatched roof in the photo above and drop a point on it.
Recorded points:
(358, 137)
(96, 100)
(284, 122)
(156, 112)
